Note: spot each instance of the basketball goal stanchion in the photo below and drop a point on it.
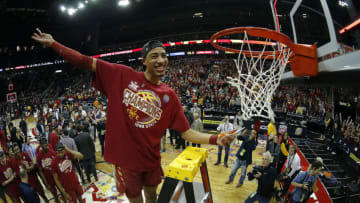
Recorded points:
(260, 65)
(184, 168)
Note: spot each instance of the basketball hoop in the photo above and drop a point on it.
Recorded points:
(260, 70)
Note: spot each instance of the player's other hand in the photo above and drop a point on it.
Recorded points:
(43, 38)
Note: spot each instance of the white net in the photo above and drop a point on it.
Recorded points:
(258, 77)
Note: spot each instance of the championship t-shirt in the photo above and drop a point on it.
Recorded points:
(44, 161)
(138, 115)
(65, 170)
(6, 171)
(16, 163)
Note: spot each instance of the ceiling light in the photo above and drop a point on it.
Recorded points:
(62, 8)
(343, 3)
(71, 11)
(58, 71)
(124, 3)
(198, 15)
(81, 5)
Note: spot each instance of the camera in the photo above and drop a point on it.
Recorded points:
(306, 192)
(282, 175)
(256, 169)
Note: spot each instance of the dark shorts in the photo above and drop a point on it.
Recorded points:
(131, 182)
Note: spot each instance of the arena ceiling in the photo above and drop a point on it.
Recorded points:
(104, 23)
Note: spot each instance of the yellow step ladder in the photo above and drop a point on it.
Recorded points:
(184, 168)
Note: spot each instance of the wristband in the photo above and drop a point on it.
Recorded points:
(213, 139)
(73, 57)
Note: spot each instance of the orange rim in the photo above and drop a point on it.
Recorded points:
(255, 32)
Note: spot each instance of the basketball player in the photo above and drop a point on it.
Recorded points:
(140, 109)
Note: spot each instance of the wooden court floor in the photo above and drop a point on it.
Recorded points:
(218, 174)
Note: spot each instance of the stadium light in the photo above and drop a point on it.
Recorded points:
(81, 5)
(62, 8)
(71, 11)
(123, 3)
(343, 3)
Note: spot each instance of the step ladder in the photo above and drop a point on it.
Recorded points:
(184, 168)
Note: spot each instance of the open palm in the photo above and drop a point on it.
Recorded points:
(43, 38)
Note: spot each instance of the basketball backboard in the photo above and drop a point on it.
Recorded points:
(321, 22)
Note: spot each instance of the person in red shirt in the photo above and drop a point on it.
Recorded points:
(53, 138)
(8, 177)
(140, 108)
(3, 140)
(64, 173)
(44, 158)
(23, 160)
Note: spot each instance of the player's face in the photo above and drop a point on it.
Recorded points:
(156, 62)
(60, 153)
(3, 159)
(17, 151)
(44, 147)
(11, 152)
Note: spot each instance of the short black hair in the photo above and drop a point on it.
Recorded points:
(59, 146)
(316, 164)
(148, 46)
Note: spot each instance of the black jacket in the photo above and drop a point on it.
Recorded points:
(266, 182)
(246, 148)
(85, 145)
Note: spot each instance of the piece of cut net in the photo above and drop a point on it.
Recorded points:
(258, 77)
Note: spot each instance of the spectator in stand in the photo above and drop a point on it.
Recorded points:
(64, 174)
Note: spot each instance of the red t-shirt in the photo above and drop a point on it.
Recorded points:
(6, 171)
(138, 115)
(3, 140)
(53, 140)
(44, 161)
(16, 163)
(65, 170)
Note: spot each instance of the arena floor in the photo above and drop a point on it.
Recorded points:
(104, 188)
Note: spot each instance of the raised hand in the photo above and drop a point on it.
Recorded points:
(43, 38)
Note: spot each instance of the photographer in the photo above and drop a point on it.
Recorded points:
(244, 156)
(266, 177)
(292, 168)
(305, 181)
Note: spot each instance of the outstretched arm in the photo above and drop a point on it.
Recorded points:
(73, 57)
(222, 139)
